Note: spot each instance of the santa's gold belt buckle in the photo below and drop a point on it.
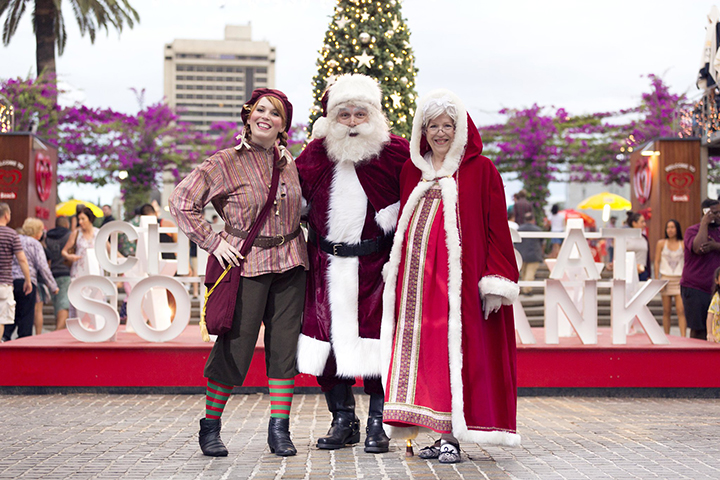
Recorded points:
(335, 247)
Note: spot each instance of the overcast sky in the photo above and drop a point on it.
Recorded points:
(582, 56)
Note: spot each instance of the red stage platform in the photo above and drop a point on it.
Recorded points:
(57, 360)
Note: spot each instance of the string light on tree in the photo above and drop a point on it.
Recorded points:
(372, 38)
(7, 115)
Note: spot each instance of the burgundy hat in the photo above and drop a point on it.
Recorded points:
(257, 94)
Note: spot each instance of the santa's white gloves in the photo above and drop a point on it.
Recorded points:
(226, 254)
(491, 304)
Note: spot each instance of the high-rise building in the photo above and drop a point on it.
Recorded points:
(208, 81)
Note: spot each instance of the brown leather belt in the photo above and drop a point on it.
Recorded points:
(264, 241)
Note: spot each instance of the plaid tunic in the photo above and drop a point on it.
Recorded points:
(237, 183)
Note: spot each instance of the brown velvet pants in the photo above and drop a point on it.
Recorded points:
(276, 300)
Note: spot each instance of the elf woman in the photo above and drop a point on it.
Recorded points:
(271, 277)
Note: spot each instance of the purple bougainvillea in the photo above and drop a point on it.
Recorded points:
(101, 146)
(539, 145)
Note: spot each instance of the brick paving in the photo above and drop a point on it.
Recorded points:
(87, 436)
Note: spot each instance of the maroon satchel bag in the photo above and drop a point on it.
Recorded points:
(222, 284)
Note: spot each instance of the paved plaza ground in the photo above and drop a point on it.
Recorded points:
(155, 436)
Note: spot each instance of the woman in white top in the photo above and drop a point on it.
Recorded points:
(639, 245)
(669, 261)
(82, 238)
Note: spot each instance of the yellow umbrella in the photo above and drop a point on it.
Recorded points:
(68, 208)
(598, 202)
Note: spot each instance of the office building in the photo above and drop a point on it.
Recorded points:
(208, 81)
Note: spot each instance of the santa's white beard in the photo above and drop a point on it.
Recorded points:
(368, 143)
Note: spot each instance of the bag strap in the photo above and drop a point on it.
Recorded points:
(260, 220)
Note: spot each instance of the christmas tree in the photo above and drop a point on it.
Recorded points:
(372, 38)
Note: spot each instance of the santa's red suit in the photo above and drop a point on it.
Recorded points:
(350, 177)
(343, 301)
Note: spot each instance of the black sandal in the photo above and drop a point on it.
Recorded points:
(449, 452)
(428, 453)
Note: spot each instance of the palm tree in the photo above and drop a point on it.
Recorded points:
(49, 25)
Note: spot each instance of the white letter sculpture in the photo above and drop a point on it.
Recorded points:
(93, 306)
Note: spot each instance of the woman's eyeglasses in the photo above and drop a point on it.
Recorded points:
(448, 127)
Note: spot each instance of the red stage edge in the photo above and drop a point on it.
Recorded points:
(55, 362)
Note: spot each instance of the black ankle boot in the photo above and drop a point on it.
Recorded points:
(210, 442)
(279, 437)
(376, 441)
(345, 427)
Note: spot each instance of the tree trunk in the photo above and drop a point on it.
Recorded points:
(45, 14)
(45, 37)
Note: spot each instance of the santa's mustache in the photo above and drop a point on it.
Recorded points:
(342, 131)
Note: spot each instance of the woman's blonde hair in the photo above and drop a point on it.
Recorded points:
(31, 227)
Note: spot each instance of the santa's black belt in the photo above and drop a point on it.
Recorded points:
(365, 247)
(261, 240)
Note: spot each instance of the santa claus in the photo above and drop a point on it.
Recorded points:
(350, 175)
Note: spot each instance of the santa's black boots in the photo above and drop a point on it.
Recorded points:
(376, 441)
(345, 427)
(210, 442)
(279, 437)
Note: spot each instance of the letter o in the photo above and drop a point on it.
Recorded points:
(182, 310)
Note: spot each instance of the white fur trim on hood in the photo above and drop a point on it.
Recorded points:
(457, 149)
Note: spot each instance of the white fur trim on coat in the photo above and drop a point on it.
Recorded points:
(497, 285)
(390, 273)
(491, 437)
(387, 218)
(312, 355)
(355, 356)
